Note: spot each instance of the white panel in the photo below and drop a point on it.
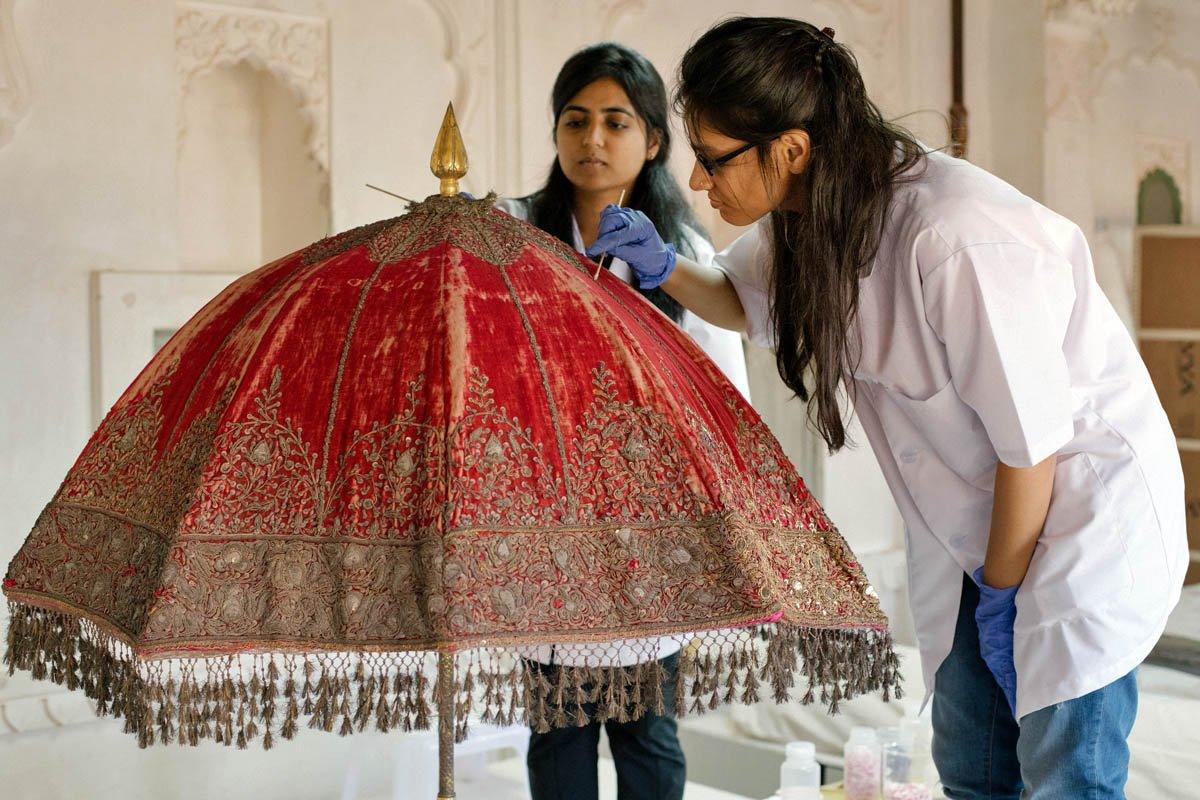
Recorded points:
(135, 312)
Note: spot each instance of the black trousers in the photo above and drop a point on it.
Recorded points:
(649, 760)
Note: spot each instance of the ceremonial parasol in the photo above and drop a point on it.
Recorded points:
(434, 438)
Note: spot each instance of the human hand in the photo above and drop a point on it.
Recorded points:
(629, 235)
(995, 616)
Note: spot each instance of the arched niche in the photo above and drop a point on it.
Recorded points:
(249, 187)
(1159, 201)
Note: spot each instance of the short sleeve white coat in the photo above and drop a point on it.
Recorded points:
(985, 338)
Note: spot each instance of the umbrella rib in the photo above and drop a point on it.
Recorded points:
(258, 304)
(341, 368)
(541, 366)
(639, 320)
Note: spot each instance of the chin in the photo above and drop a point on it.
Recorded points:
(591, 182)
(736, 217)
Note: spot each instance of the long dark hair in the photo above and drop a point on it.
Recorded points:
(752, 79)
(655, 192)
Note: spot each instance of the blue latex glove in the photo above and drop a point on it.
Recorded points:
(467, 195)
(629, 235)
(994, 616)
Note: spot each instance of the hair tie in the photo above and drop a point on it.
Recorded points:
(824, 42)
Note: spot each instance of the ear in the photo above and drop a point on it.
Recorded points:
(795, 147)
(652, 145)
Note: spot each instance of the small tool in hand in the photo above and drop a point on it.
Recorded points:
(604, 255)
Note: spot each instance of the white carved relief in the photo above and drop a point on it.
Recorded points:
(507, 136)
(28, 705)
(452, 54)
(1072, 59)
(876, 37)
(882, 40)
(45, 711)
(293, 48)
(1085, 51)
(470, 50)
(1103, 8)
(1171, 155)
(14, 82)
(1163, 152)
(1162, 50)
(614, 12)
(1080, 58)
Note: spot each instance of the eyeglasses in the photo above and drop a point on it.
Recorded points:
(711, 164)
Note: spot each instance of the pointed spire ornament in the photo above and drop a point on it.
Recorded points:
(449, 159)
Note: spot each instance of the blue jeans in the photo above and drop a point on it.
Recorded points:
(1073, 750)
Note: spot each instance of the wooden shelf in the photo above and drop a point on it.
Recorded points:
(1166, 302)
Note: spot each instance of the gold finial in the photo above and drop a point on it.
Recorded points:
(449, 159)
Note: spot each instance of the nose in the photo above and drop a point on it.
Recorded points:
(595, 134)
(700, 180)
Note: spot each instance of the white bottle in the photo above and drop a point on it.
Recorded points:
(862, 764)
(800, 775)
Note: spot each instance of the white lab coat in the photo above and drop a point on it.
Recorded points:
(985, 337)
(724, 347)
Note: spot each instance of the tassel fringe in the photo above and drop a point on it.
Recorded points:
(239, 699)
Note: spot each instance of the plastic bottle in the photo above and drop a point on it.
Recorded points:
(862, 764)
(800, 775)
(894, 745)
(908, 771)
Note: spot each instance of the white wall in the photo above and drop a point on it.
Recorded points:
(1004, 89)
(88, 183)
(294, 189)
(92, 175)
(220, 171)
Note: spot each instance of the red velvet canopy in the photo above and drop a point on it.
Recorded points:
(437, 432)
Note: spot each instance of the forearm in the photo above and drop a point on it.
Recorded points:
(707, 293)
(1022, 500)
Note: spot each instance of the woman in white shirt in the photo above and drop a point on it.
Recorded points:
(1007, 406)
(612, 136)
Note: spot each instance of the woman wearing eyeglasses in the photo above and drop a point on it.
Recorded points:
(1006, 404)
(612, 136)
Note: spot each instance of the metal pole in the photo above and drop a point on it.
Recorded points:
(445, 702)
(958, 108)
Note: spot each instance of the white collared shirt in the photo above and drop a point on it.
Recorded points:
(984, 338)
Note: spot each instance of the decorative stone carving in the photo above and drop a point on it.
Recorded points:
(293, 48)
(1079, 58)
(616, 11)
(1162, 50)
(1074, 54)
(876, 36)
(479, 47)
(44, 710)
(1104, 8)
(1171, 155)
(14, 83)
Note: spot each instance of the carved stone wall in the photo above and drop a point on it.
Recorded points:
(14, 82)
(1110, 121)
(293, 48)
(1172, 154)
